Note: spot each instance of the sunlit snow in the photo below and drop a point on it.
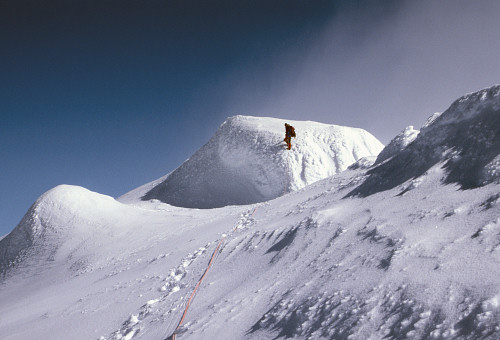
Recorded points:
(408, 248)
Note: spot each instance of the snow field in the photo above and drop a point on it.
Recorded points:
(180, 280)
(101, 263)
(408, 248)
(347, 272)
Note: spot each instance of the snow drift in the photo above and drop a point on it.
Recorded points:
(247, 162)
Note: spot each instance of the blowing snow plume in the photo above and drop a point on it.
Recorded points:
(247, 162)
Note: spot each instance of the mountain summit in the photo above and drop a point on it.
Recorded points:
(246, 161)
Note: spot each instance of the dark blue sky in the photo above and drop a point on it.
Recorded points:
(110, 95)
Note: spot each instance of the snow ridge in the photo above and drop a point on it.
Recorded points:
(465, 140)
(246, 162)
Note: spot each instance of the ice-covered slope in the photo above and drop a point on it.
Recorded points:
(247, 162)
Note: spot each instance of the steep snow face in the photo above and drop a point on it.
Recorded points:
(247, 162)
(465, 139)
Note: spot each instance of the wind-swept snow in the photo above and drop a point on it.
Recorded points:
(247, 162)
(416, 259)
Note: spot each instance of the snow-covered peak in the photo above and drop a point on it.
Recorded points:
(56, 217)
(398, 143)
(465, 140)
(247, 162)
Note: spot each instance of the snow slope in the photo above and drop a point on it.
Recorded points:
(79, 262)
(341, 258)
(247, 162)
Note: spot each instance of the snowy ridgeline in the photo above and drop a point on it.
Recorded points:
(408, 248)
(465, 140)
(247, 162)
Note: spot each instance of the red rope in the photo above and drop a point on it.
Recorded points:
(201, 279)
(211, 262)
(198, 286)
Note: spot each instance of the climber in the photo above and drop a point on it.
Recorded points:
(289, 133)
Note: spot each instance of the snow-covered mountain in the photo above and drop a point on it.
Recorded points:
(465, 139)
(247, 162)
(407, 248)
